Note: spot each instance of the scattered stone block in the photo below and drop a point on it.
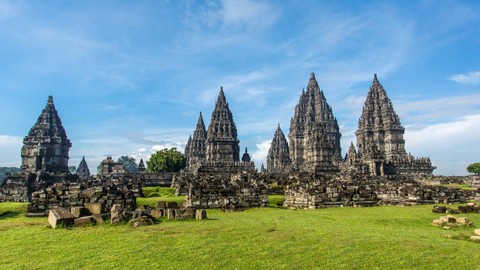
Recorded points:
(438, 223)
(78, 211)
(142, 221)
(157, 213)
(34, 215)
(463, 221)
(439, 209)
(185, 213)
(161, 205)
(60, 217)
(477, 232)
(171, 214)
(95, 208)
(83, 221)
(201, 214)
(100, 219)
(475, 238)
(117, 213)
(172, 205)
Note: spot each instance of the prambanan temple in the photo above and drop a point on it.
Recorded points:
(314, 140)
(308, 167)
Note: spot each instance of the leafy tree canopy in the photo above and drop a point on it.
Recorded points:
(474, 168)
(129, 163)
(166, 160)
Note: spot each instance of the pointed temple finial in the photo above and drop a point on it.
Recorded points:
(50, 99)
(246, 150)
(312, 76)
(375, 79)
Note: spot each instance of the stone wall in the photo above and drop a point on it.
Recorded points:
(106, 191)
(158, 179)
(17, 188)
(307, 191)
(226, 191)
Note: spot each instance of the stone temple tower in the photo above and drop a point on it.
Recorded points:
(314, 133)
(278, 159)
(46, 146)
(196, 146)
(380, 141)
(82, 171)
(222, 144)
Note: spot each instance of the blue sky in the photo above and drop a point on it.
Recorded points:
(130, 77)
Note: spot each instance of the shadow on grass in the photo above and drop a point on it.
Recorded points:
(6, 215)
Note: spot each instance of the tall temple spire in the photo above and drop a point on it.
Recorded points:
(222, 143)
(196, 145)
(379, 125)
(278, 158)
(380, 137)
(314, 132)
(46, 146)
(82, 171)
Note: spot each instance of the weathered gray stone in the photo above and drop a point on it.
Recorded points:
(475, 238)
(172, 205)
(84, 221)
(78, 211)
(185, 213)
(158, 213)
(200, 214)
(161, 205)
(171, 214)
(60, 217)
(95, 208)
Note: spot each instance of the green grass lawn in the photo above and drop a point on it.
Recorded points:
(260, 238)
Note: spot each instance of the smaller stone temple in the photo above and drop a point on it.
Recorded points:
(45, 148)
(111, 167)
(278, 159)
(216, 149)
(82, 171)
(380, 142)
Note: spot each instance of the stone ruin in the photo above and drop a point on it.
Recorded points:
(315, 139)
(309, 168)
(104, 191)
(226, 191)
(309, 191)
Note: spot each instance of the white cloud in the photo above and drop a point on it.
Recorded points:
(7, 10)
(259, 156)
(10, 147)
(447, 144)
(248, 13)
(427, 111)
(469, 78)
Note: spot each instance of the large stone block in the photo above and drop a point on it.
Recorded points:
(161, 205)
(95, 208)
(200, 214)
(158, 213)
(60, 217)
(78, 211)
(171, 214)
(172, 205)
(185, 213)
(83, 221)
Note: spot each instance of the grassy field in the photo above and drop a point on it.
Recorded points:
(262, 238)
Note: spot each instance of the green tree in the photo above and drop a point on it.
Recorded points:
(166, 160)
(474, 168)
(129, 164)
